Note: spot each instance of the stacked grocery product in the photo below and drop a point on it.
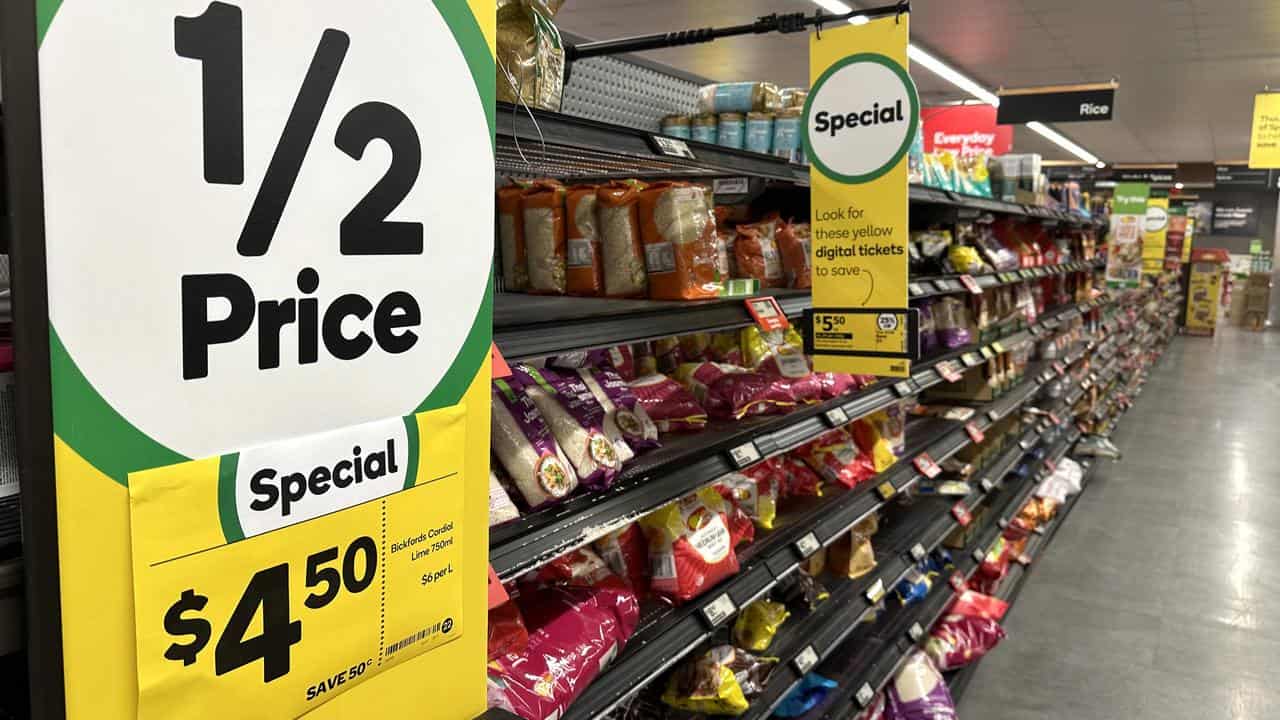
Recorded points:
(754, 116)
(629, 239)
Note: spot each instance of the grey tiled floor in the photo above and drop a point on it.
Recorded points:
(1160, 597)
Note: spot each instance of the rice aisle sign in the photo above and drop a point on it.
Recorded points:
(860, 119)
(269, 324)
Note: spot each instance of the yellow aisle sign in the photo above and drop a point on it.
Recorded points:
(1203, 290)
(1186, 241)
(289, 300)
(1153, 237)
(860, 118)
(274, 579)
(1264, 141)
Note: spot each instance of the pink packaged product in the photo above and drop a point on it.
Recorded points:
(526, 448)
(578, 422)
(574, 632)
(743, 394)
(671, 407)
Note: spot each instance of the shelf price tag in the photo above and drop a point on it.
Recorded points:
(974, 433)
(998, 347)
(941, 286)
(876, 592)
(905, 388)
(914, 289)
(805, 660)
(299, 587)
(970, 284)
(1023, 559)
(926, 466)
(744, 455)
(808, 545)
(731, 186)
(948, 371)
(1035, 330)
(915, 632)
(979, 555)
(961, 514)
(886, 490)
(994, 415)
(865, 695)
(672, 147)
(987, 485)
(987, 352)
(837, 417)
(971, 359)
(719, 610)
(1026, 443)
(1039, 530)
(918, 552)
(958, 583)
(767, 313)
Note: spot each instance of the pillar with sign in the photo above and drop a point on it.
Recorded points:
(860, 117)
(255, 416)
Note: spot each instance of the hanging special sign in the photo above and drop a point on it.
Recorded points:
(267, 424)
(1155, 227)
(1128, 213)
(860, 118)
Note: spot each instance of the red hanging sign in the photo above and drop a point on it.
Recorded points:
(965, 130)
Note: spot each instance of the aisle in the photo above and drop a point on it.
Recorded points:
(1157, 599)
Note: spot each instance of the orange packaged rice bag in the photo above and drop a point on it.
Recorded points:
(515, 268)
(755, 253)
(679, 232)
(793, 244)
(621, 250)
(585, 269)
(543, 205)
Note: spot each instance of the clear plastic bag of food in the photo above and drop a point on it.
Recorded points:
(544, 236)
(527, 449)
(584, 262)
(622, 250)
(511, 248)
(530, 53)
(501, 509)
(578, 422)
(678, 231)
(739, 97)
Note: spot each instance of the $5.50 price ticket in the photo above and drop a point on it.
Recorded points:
(270, 580)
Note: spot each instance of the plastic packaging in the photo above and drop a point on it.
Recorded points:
(755, 490)
(671, 407)
(530, 53)
(800, 480)
(624, 415)
(507, 633)
(527, 449)
(584, 262)
(734, 396)
(836, 458)
(919, 692)
(515, 267)
(738, 97)
(626, 551)
(690, 546)
(852, 555)
(577, 421)
(775, 352)
(755, 253)
(968, 630)
(869, 434)
(544, 236)
(705, 128)
(758, 623)
(622, 251)
(794, 244)
(914, 588)
(501, 509)
(676, 126)
(951, 322)
(678, 231)
(718, 683)
(811, 690)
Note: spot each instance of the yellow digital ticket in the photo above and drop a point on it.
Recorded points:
(270, 580)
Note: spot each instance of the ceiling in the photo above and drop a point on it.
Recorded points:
(1188, 69)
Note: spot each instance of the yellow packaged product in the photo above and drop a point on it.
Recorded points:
(870, 440)
(758, 623)
(776, 352)
(719, 682)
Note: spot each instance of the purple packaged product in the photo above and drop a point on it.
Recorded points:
(577, 420)
(526, 448)
(627, 414)
(951, 323)
(928, 334)
(919, 693)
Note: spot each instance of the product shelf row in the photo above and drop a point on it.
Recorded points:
(533, 326)
(688, 463)
(665, 638)
(540, 143)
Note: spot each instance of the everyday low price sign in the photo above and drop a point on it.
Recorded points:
(860, 117)
(269, 434)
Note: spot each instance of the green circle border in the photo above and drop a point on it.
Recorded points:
(912, 95)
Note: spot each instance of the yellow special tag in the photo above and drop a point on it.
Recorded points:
(882, 338)
(270, 580)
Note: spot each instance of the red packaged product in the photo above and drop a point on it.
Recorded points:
(755, 253)
(799, 480)
(690, 545)
(833, 384)
(573, 634)
(671, 407)
(837, 458)
(507, 633)
(793, 245)
(969, 629)
(741, 529)
(627, 553)
(738, 395)
(992, 569)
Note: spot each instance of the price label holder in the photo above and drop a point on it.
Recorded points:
(979, 555)
(915, 633)
(918, 552)
(994, 415)
(1035, 330)
(805, 660)
(261, 603)
(744, 455)
(948, 371)
(1002, 523)
(1023, 559)
(998, 347)
(837, 417)
(1039, 530)
(719, 610)
(975, 434)
(961, 514)
(906, 388)
(958, 583)
(1046, 376)
(941, 286)
(988, 485)
(1026, 444)
(731, 186)
(971, 359)
(875, 593)
(926, 466)
(865, 695)
(1027, 274)
(1041, 272)
(914, 289)
(671, 147)
(1083, 308)
(886, 490)
(970, 284)
(807, 545)
(987, 352)
(500, 367)
(767, 313)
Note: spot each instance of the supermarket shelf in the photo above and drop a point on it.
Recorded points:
(663, 640)
(690, 462)
(933, 285)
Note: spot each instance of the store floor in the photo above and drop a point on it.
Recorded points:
(1160, 596)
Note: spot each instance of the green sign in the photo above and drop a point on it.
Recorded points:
(1255, 247)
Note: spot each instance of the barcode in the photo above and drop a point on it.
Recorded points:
(664, 566)
(422, 634)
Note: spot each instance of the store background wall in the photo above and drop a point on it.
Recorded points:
(1266, 204)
